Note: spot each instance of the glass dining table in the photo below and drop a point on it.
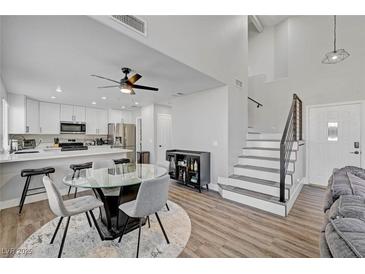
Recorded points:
(115, 186)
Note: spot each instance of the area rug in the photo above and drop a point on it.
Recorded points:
(84, 241)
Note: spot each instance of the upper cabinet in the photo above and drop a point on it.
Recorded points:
(115, 116)
(96, 121)
(120, 116)
(49, 118)
(28, 116)
(70, 113)
(80, 114)
(17, 113)
(32, 117)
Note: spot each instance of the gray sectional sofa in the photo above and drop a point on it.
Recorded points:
(343, 231)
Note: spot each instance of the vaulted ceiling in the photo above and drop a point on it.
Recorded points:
(42, 52)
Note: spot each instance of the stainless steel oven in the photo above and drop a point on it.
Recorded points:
(73, 127)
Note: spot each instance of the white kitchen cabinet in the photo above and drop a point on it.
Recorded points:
(103, 122)
(32, 117)
(91, 121)
(67, 113)
(115, 116)
(49, 118)
(79, 113)
(127, 117)
(70, 113)
(17, 113)
(96, 121)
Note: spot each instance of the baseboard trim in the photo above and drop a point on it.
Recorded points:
(32, 199)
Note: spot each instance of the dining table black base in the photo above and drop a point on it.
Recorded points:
(111, 221)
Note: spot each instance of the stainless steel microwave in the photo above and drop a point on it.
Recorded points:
(73, 127)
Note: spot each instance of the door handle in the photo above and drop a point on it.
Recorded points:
(355, 152)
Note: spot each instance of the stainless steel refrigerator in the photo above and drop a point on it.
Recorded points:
(123, 135)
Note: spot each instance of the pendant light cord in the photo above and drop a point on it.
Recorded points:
(334, 33)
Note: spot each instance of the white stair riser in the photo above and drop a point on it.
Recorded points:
(267, 144)
(274, 136)
(263, 163)
(260, 174)
(261, 188)
(274, 208)
(266, 153)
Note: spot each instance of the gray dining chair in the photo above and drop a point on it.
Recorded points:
(151, 198)
(68, 208)
(166, 165)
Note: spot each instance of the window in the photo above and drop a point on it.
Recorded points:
(332, 134)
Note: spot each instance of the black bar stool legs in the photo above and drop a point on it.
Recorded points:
(76, 174)
(28, 173)
(24, 194)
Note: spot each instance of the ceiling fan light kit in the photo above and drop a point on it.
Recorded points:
(337, 55)
(126, 84)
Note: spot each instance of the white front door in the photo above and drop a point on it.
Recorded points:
(164, 136)
(333, 140)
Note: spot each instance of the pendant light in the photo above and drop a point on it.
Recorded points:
(337, 55)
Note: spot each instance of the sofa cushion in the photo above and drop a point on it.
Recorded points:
(357, 184)
(328, 200)
(348, 206)
(345, 183)
(357, 171)
(324, 251)
(345, 238)
(340, 184)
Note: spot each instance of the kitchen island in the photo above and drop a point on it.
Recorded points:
(11, 183)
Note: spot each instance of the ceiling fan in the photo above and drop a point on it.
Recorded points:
(126, 85)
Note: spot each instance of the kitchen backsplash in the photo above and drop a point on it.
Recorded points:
(46, 140)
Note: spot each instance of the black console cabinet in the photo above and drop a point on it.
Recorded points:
(189, 167)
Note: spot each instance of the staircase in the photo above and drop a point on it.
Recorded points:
(256, 178)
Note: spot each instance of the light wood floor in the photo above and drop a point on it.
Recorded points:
(220, 228)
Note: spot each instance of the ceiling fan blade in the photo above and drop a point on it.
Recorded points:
(104, 78)
(109, 86)
(134, 78)
(144, 87)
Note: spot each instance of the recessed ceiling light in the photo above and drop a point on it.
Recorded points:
(94, 103)
(123, 107)
(53, 97)
(136, 103)
(58, 89)
(104, 98)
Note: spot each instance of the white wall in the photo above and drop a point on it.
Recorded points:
(281, 42)
(210, 44)
(309, 38)
(200, 122)
(268, 52)
(261, 53)
(3, 93)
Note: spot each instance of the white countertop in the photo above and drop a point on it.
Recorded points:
(57, 153)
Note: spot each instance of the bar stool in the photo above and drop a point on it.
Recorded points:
(29, 173)
(76, 169)
(122, 162)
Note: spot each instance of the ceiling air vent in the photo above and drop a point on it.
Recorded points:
(131, 22)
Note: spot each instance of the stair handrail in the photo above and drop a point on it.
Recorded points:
(292, 133)
(256, 102)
